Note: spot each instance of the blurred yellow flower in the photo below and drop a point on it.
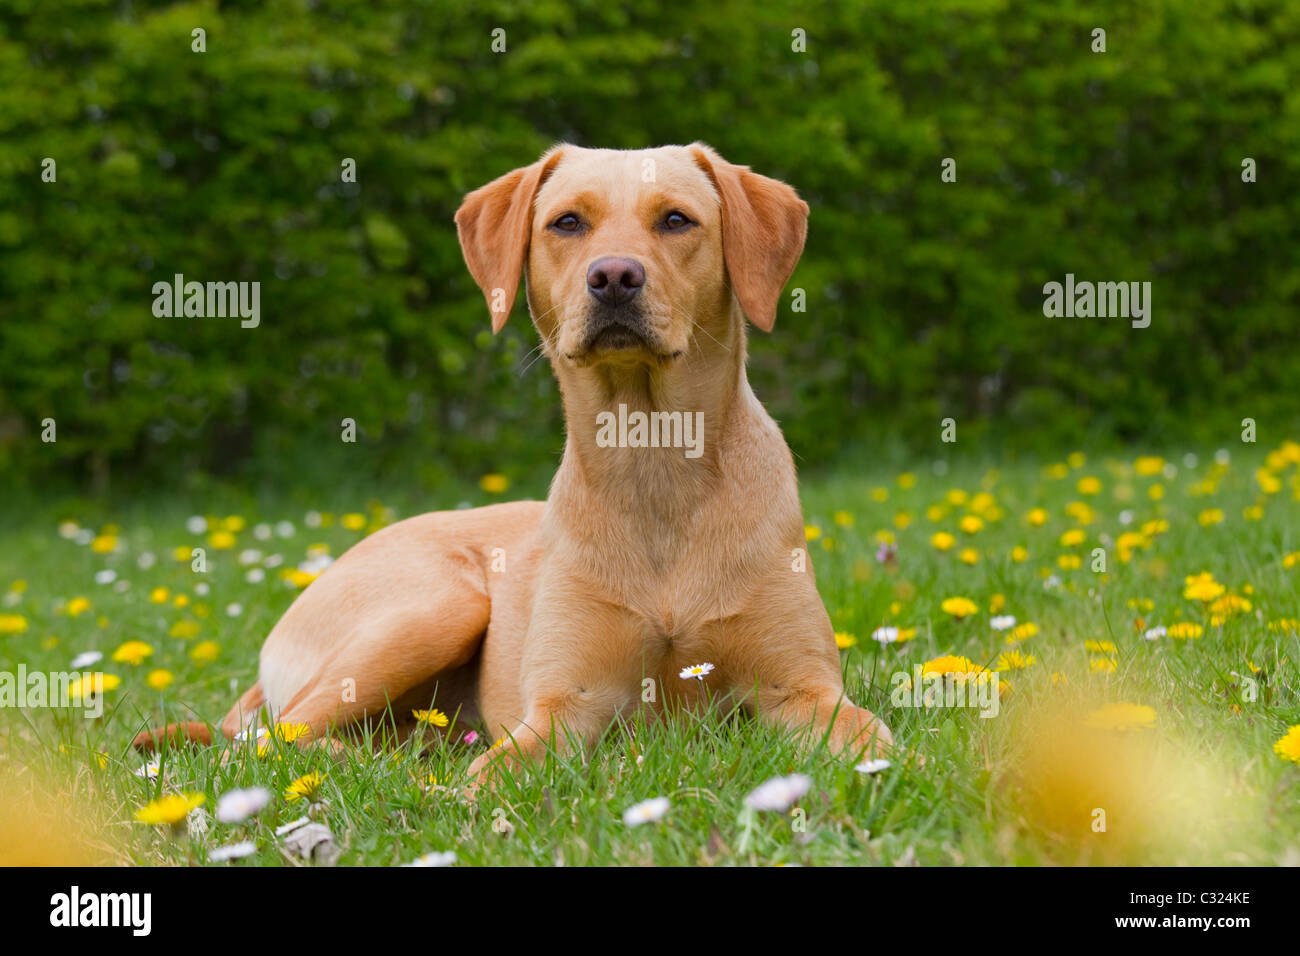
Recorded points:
(1210, 516)
(12, 623)
(843, 519)
(811, 532)
(942, 540)
(1089, 485)
(1288, 748)
(1184, 630)
(159, 595)
(184, 629)
(78, 606)
(494, 484)
(1122, 716)
(1202, 587)
(1073, 537)
(221, 540)
(353, 521)
(132, 652)
(1037, 517)
(844, 640)
(959, 607)
(103, 544)
(205, 652)
(970, 524)
(160, 679)
(1149, 465)
(1019, 553)
(969, 556)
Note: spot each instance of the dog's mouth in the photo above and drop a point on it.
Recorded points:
(618, 335)
(615, 337)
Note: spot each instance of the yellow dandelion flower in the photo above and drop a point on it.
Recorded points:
(184, 629)
(1037, 517)
(879, 494)
(906, 480)
(205, 652)
(1073, 538)
(1288, 748)
(1210, 516)
(433, 717)
(1022, 632)
(1102, 665)
(1013, 661)
(968, 556)
(1184, 630)
(305, 787)
(843, 519)
(844, 640)
(1019, 554)
(1202, 587)
(942, 540)
(971, 524)
(221, 540)
(353, 521)
(12, 623)
(160, 678)
(1100, 647)
(133, 653)
(1149, 465)
(959, 607)
(103, 544)
(170, 810)
(811, 532)
(78, 606)
(1089, 485)
(997, 602)
(494, 484)
(290, 732)
(159, 595)
(92, 684)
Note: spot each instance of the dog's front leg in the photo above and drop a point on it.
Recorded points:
(788, 655)
(580, 666)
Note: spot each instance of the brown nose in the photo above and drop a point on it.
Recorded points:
(614, 280)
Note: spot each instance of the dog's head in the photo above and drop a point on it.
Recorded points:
(629, 253)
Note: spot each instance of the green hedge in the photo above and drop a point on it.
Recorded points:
(924, 298)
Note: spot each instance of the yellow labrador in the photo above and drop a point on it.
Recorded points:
(673, 534)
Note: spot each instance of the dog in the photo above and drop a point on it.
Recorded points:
(547, 620)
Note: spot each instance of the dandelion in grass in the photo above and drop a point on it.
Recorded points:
(92, 685)
(779, 793)
(1185, 630)
(1013, 661)
(1288, 748)
(698, 671)
(305, 787)
(1100, 647)
(959, 607)
(288, 732)
(170, 810)
(647, 811)
(236, 806)
(432, 717)
(844, 640)
(1102, 665)
(1202, 587)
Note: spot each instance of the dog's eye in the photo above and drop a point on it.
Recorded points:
(567, 223)
(675, 221)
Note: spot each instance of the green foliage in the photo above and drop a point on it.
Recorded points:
(924, 297)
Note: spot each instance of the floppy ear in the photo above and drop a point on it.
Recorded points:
(494, 224)
(764, 223)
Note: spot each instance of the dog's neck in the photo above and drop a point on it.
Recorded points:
(707, 384)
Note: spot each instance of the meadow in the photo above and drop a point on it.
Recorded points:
(1139, 611)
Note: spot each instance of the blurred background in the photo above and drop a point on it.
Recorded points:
(924, 298)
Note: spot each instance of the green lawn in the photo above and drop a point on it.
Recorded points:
(1194, 779)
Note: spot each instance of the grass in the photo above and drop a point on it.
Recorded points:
(1037, 784)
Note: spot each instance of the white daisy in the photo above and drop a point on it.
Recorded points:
(201, 589)
(312, 519)
(85, 659)
(246, 735)
(873, 766)
(235, 851)
(698, 671)
(292, 825)
(197, 524)
(255, 576)
(1155, 632)
(68, 529)
(146, 560)
(107, 576)
(262, 531)
(236, 806)
(1003, 622)
(234, 610)
(285, 529)
(779, 793)
(446, 858)
(885, 635)
(647, 811)
(249, 556)
(149, 771)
